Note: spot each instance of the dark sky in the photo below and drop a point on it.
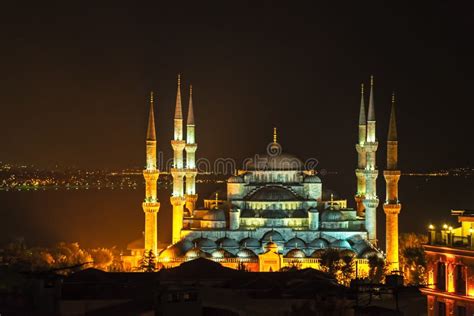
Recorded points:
(74, 81)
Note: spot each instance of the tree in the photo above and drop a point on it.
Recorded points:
(377, 269)
(148, 262)
(412, 257)
(338, 265)
(103, 258)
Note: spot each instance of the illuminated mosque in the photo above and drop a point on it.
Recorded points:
(274, 214)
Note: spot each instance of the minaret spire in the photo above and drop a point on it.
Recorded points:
(362, 119)
(392, 128)
(371, 115)
(190, 120)
(178, 112)
(151, 133)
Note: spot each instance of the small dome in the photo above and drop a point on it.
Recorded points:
(221, 253)
(250, 242)
(214, 215)
(280, 161)
(331, 216)
(246, 253)
(319, 243)
(348, 252)
(271, 246)
(196, 253)
(296, 253)
(236, 179)
(295, 242)
(340, 244)
(204, 243)
(177, 250)
(226, 242)
(312, 179)
(317, 253)
(273, 235)
(273, 193)
(313, 210)
(369, 252)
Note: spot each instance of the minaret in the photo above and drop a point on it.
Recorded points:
(191, 147)
(371, 200)
(392, 205)
(361, 156)
(150, 204)
(177, 198)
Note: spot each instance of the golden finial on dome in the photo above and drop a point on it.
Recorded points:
(371, 80)
(217, 200)
(274, 134)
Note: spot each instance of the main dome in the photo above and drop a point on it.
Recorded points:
(273, 193)
(282, 161)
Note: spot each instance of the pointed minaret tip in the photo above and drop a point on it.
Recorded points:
(362, 120)
(371, 115)
(151, 133)
(275, 135)
(190, 120)
(392, 128)
(178, 114)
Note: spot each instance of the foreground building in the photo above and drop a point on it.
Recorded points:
(450, 267)
(273, 214)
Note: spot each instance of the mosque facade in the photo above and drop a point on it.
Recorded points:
(273, 214)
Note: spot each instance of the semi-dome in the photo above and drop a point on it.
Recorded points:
(331, 216)
(176, 250)
(204, 243)
(214, 215)
(273, 193)
(250, 242)
(281, 161)
(273, 235)
(226, 242)
(295, 253)
(295, 242)
(369, 252)
(340, 244)
(348, 253)
(317, 253)
(236, 179)
(319, 243)
(221, 253)
(312, 179)
(246, 253)
(194, 253)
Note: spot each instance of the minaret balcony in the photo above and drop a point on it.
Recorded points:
(393, 173)
(191, 148)
(371, 146)
(178, 172)
(371, 202)
(178, 145)
(392, 207)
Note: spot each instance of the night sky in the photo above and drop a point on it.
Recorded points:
(74, 81)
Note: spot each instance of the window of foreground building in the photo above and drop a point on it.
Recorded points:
(441, 277)
(460, 280)
(441, 309)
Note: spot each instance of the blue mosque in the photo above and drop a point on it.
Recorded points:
(273, 213)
